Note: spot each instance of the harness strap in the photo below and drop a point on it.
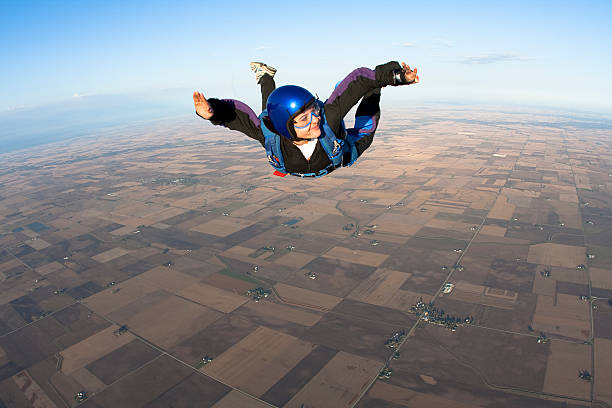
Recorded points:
(335, 148)
(272, 144)
(319, 173)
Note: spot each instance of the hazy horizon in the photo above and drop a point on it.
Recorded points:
(90, 116)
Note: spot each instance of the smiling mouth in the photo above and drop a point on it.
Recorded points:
(312, 134)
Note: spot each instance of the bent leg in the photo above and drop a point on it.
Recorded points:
(368, 112)
(267, 85)
(366, 122)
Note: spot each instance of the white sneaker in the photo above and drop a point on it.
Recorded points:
(260, 69)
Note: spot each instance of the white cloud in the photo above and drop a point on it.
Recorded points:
(404, 44)
(263, 47)
(442, 43)
(491, 58)
(14, 108)
(76, 95)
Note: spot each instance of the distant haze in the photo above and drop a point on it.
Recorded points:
(86, 116)
(89, 116)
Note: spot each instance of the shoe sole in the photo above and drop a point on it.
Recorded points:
(268, 70)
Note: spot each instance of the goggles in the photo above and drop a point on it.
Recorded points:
(304, 119)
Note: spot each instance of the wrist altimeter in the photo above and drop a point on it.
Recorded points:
(399, 77)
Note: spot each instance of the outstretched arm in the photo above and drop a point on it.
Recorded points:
(362, 81)
(230, 113)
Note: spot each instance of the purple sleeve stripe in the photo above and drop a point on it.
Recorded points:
(342, 86)
(243, 107)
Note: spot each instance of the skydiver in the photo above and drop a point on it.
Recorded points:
(302, 135)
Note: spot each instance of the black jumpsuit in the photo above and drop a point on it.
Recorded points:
(362, 83)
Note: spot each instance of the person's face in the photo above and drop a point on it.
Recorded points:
(307, 123)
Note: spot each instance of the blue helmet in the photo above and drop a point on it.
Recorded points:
(284, 103)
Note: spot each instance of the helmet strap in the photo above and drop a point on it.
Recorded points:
(290, 126)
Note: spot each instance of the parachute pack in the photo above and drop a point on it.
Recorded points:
(341, 151)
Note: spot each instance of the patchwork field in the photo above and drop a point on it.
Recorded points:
(396, 224)
(112, 299)
(565, 361)
(166, 319)
(212, 297)
(384, 394)
(295, 259)
(299, 296)
(556, 255)
(603, 354)
(567, 317)
(259, 360)
(380, 287)
(222, 227)
(283, 313)
(338, 384)
(502, 209)
(162, 265)
(92, 348)
(109, 255)
(356, 256)
(236, 399)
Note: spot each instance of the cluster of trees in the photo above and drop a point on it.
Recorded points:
(429, 313)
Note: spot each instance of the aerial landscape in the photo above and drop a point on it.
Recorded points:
(464, 261)
(321, 204)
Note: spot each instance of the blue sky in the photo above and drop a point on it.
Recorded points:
(547, 53)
